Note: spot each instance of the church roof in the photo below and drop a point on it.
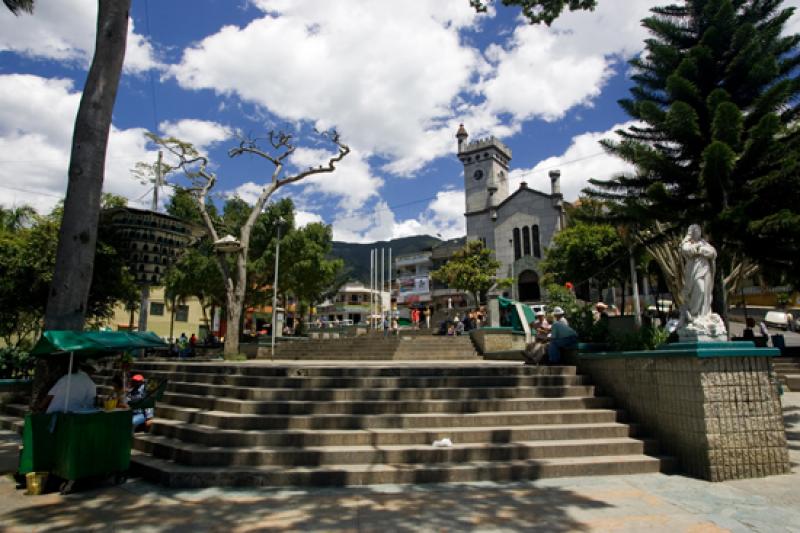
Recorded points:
(520, 191)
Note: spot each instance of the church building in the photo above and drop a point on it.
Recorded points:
(517, 225)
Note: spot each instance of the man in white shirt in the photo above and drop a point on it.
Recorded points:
(82, 393)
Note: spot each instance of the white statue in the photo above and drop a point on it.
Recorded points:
(697, 322)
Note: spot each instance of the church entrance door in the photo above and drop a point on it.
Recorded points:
(529, 290)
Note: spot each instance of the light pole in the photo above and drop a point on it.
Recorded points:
(513, 275)
(275, 292)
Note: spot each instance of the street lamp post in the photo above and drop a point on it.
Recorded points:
(275, 292)
(513, 275)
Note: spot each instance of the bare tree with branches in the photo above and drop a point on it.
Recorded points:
(202, 181)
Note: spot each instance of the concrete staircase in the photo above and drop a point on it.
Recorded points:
(406, 346)
(788, 371)
(253, 425)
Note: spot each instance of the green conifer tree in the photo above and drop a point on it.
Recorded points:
(717, 141)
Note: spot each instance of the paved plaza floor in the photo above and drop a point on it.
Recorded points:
(651, 503)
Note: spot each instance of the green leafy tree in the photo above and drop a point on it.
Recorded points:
(717, 141)
(27, 257)
(472, 269)
(306, 269)
(585, 251)
(537, 11)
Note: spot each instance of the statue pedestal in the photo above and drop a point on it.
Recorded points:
(709, 328)
(712, 405)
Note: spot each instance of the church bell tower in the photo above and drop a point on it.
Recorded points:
(485, 174)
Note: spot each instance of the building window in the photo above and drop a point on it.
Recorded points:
(181, 313)
(537, 246)
(526, 241)
(156, 309)
(517, 250)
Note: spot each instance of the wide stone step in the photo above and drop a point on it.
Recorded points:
(407, 394)
(228, 420)
(173, 474)
(200, 455)
(16, 409)
(383, 407)
(12, 423)
(792, 382)
(368, 383)
(372, 371)
(211, 436)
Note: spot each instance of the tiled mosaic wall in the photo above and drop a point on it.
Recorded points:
(720, 417)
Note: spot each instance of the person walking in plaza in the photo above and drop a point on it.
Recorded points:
(428, 317)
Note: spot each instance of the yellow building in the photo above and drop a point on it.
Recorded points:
(187, 317)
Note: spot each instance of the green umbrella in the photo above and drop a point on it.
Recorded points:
(57, 342)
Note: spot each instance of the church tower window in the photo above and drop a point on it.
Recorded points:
(526, 241)
(517, 250)
(537, 246)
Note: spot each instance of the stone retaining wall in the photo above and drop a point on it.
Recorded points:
(497, 340)
(717, 413)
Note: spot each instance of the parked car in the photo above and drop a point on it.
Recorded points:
(777, 319)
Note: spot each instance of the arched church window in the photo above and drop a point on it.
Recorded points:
(526, 241)
(517, 250)
(537, 246)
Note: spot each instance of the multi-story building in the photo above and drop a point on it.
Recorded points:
(353, 301)
(412, 275)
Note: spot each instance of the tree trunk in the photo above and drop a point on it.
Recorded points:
(237, 294)
(72, 277)
(233, 331)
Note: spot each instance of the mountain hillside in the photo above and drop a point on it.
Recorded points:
(356, 255)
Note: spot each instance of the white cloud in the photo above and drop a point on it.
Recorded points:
(304, 218)
(793, 25)
(36, 122)
(544, 72)
(385, 73)
(444, 216)
(352, 182)
(248, 191)
(351, 64)
(201, 133)
(583, 160)
(64, 30)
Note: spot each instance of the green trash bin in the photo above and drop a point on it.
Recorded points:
(78, 445)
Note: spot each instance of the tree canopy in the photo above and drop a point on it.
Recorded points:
(27, 256)
(471, 269)
(537, 11)
(585, 251)
(717, 139)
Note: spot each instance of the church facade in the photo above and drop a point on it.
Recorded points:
(517, 225)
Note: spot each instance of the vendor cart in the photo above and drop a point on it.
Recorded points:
(79, 445)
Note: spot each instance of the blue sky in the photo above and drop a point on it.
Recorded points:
(395, 78)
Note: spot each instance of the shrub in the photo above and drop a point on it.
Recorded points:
(15, 363)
